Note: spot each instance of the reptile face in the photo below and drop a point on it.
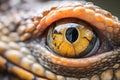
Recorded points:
(73, 41)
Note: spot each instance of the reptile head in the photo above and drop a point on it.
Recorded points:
(76, 40)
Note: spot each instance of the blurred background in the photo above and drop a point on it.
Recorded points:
(112, 6)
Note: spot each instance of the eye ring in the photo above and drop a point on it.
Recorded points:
(97, 19)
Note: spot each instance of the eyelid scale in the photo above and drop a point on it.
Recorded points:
(102, 20)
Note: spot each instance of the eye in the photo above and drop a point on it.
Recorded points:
(75, 40)
(72, 38)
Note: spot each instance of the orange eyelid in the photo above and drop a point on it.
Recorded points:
(98, 19)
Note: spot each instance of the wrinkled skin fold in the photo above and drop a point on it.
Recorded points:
(24, 54)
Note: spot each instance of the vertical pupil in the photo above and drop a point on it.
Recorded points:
(71, 34)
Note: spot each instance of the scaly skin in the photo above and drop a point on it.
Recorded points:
(23, 51)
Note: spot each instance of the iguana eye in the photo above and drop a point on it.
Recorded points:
(72, 38)
(75, 40)
(62, 53)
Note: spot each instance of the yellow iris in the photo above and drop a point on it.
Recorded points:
(71, 38)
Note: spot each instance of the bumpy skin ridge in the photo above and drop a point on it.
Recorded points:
(22, 55)
(85, 11)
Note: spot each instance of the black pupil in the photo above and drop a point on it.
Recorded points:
(71, 34)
